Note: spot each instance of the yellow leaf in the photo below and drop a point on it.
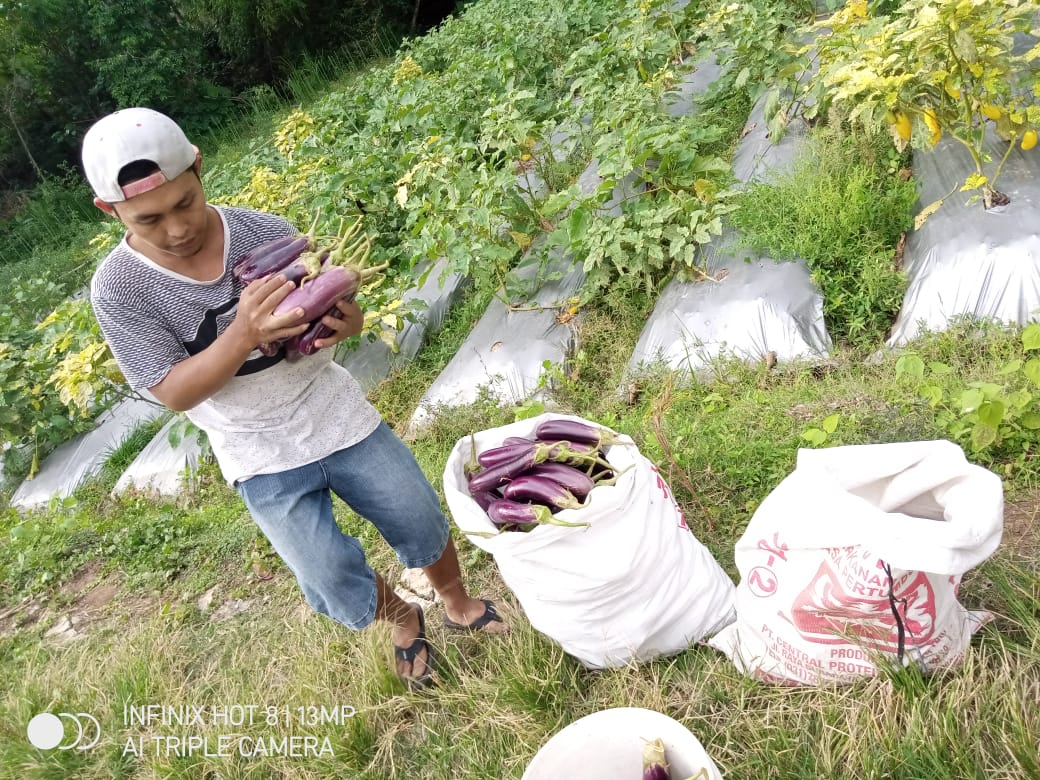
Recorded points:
(402, 195)
(523, 240)
(1028, 139)
(389, 338)
(932, 122)
(926, 212)
(902, 125)
(704, 189)
(974, 182)
(991, 111)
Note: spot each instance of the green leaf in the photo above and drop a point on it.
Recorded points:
(578, 223)
(1030, 421)
(1031, 336)
(1032, 371)
(970, 400)
(911, 366)
(982, 436)
(814, 436)
(939, 369)
(1010, 368)
(830, 424)
(1019, 399)
(932, 393)
(529, 409)
(992, 413)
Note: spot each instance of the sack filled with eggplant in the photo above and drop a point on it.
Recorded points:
(526, 480)
(325, 270)
(614, 574)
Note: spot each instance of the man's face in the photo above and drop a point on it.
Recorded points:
(171, 219)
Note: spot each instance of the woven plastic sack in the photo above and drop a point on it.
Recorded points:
(632, 585)
(854, 561)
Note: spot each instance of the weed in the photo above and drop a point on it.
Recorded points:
(841, 211)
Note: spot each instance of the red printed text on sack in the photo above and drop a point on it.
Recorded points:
(663, 487)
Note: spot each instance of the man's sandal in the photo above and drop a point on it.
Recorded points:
(411, 653)
(490, 615)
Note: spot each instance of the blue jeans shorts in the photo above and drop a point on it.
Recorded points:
(379, 479)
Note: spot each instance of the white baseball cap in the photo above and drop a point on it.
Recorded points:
(127, 136)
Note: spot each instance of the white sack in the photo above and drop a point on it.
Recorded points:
(633, 585)
(815, 603)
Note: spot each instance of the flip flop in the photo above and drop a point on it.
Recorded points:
(490, 615)
(410, 653)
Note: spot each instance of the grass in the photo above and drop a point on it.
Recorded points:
(723, 447)
(848, 247)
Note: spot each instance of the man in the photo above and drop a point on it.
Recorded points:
(285, 433)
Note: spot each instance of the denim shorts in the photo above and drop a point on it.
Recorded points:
(379, 479)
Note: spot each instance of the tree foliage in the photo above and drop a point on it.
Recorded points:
(64, 63)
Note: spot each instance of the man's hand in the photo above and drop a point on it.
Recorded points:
(255, 322)
(193, 380)
(348, 324)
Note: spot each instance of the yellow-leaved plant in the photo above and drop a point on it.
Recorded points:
(935, 68)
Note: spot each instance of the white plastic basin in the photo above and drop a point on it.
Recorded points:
(608, 745)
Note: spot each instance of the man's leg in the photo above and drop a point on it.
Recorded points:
(446, 578)
(404, 628)
(294, 510)
(380, 479)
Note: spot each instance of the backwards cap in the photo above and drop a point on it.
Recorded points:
(130, 135)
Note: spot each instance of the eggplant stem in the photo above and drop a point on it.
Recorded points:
(545, 516)
(557, 521)
(617, 475)
(311, 234)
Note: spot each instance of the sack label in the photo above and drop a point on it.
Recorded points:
(663, 487)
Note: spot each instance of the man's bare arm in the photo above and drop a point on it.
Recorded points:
(193, 380)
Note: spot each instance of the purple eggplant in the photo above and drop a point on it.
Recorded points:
(561, 452)
(574, 431)
(541, 489)
(518, 440)
(507, 452)
(496, 476)
(321, 292)
(506, 512)
(576, 481)
(258, 251)
(485, 498)
(269, 348)
(272, 261)
(317, 330)
(305, 267)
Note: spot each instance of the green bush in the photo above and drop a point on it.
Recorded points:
(841, 209)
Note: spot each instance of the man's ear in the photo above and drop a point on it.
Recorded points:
(106, 207)
(198, 160)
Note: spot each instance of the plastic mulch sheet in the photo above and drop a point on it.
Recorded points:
(80, 457)
(680, 101)
(966, 261)
(506, 350)
(373, 361)
(159, 467)
(757, 309)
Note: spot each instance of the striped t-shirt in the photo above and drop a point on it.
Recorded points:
(274, 414)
